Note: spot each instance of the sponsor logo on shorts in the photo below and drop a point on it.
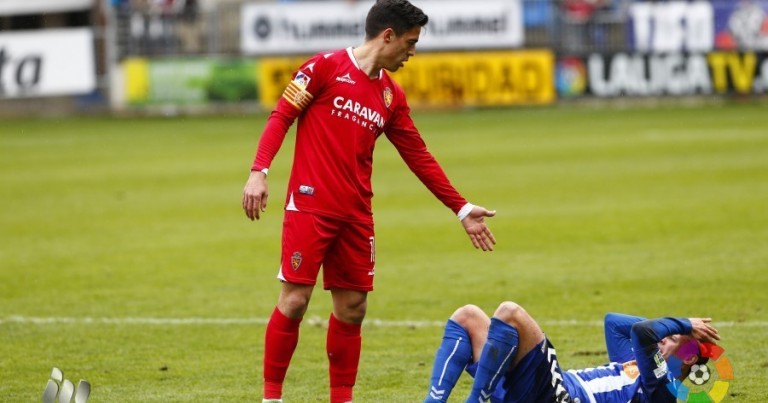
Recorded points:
(296, 260)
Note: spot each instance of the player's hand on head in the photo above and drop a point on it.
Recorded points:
(703, 331)
(255, 195)
(479, 233)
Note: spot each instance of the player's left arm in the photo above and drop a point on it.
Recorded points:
(406, 138)
(617, 336)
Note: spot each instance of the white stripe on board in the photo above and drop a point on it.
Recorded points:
(314, 320)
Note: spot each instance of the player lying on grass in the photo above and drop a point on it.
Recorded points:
(513, 361)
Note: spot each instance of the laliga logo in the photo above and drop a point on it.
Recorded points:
(707, 381)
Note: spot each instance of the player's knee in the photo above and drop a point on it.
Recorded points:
(294, 304)
(468, 314)
(510, 312)
(351, 311)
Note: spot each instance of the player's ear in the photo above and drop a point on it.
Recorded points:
(388, 34)
(691, 359)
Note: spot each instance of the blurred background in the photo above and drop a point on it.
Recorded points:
(60, 57)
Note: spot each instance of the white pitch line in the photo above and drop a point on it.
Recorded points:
(314, 320)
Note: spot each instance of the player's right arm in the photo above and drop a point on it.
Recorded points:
(296, 97)
(255, 195)
(256, 191)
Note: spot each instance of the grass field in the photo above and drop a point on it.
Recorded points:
(126, 259)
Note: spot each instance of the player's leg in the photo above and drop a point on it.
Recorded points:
(511, 335)
(348, 272)
(535, 374)
(344, 341)
(463, 338)
(302, 251)
(282, 336)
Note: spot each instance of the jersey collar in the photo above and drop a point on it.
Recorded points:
(354, 61)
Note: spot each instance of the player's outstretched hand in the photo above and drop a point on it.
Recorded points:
(703, 331)
(255, 195)
(479, 233)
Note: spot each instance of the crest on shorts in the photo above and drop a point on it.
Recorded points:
(296, 260)
(387, 97)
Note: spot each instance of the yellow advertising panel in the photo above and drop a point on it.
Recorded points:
(523, 77)
(274, 75)
(136, 79)
(479, 78)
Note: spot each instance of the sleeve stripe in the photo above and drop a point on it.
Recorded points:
(297, 96)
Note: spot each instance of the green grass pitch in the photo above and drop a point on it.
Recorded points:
(126, 259)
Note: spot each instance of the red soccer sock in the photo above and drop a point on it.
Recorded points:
(280, 341)
(343, 347)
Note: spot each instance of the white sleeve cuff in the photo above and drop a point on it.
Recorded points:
(464, 212)
(265, 171)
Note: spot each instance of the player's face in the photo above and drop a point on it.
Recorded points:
(670, 344)
(400, 48)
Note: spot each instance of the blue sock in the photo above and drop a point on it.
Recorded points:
(498, 353)
(452, 357)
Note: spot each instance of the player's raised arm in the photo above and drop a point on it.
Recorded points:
(474, 223)
(703, 331)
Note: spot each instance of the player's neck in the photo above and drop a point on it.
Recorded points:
(365, 56)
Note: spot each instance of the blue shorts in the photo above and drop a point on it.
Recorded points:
(533, 380)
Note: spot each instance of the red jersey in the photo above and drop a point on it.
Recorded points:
(341, 113)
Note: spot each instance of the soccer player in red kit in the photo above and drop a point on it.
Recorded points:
(344, 100)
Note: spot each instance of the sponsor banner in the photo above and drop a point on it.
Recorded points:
(47, 63)
(717, 73)
(189, 81)
(43, 6)
(741, 25)
(671, 26)
(311, 27)
(479, 78)
(449, 79)
(274, 75)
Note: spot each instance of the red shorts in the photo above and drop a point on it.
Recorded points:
(345, 250)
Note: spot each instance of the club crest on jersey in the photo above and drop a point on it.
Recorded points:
(387, 97)
(631, 370)
(301, 80)
(296, 260)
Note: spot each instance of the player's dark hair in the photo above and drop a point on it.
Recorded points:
(400, 15)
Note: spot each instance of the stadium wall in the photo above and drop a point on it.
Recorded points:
(212, 56)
